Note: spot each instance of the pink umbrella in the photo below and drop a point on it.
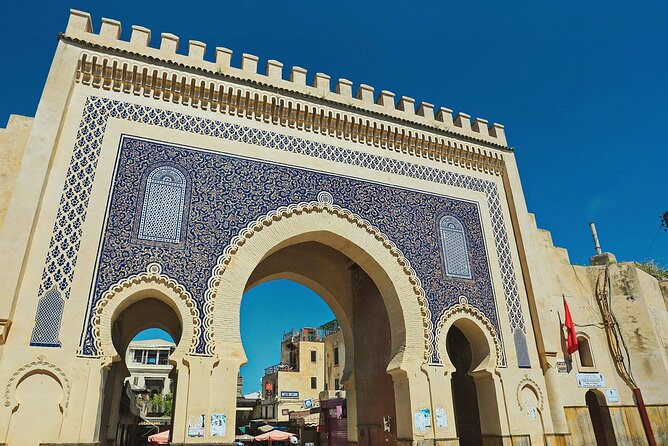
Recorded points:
(160, 438)
(274, 435)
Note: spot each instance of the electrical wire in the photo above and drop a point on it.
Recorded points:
(651, 245)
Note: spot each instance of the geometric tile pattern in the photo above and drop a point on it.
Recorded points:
(229, 192)
(62, 256)
(455, 252)
(163, 205)
(48, 319)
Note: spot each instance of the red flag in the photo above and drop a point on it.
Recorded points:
(572, 339)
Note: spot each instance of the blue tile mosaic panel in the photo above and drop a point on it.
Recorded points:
(229, 192)
(62, 256)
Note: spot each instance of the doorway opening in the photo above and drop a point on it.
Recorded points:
(600, 418)
(464, 393)
(290, 337)
(354, 343)
(140, 386)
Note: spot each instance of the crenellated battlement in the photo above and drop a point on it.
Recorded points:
(342, 92)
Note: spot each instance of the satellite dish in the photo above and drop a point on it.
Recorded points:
(294, 440)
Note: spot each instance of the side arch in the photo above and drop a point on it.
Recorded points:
(529, 384)
(40, 365)
(331, 225)
(477, 328)
(154, 284)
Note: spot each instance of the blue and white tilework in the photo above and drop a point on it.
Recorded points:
(229, 192)
(287, 186)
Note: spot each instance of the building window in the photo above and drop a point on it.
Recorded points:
(151, 357)
(137, 356)
(584, 352)
(336, 355)
(313, 356)
(163, 359)
(314, 382)
(163, 205)
(154, 385)
(336, 384)
(454, 248)
(135, 380)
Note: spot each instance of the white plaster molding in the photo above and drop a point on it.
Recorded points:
(38, 365)
(531, 384)
(464, 309)
(163, 287)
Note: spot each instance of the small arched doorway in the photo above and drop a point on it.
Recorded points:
(128, 403)
(38, 413)
(600, 419)
(464, 393)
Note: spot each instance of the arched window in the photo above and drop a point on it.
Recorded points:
(47, 320)
(455, 252)
(163, 205)
(584, 352)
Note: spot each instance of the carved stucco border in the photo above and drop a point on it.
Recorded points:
(528, 382)
(153, 278)
(39, 364)
(324, 204)
(463, 307)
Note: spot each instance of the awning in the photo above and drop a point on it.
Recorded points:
(274, 436)
(160, 438)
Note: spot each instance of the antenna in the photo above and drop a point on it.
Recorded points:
(594, 236)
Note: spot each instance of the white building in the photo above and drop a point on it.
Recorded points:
(148, 363)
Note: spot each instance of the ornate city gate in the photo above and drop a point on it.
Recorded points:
(173, 184)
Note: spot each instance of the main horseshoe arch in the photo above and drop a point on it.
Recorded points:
(339, 228)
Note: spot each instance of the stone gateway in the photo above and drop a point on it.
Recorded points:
(154, 188)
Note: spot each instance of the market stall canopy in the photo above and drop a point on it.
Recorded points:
(244, 437)
(274, 436)
(160, 438)
(265, 428)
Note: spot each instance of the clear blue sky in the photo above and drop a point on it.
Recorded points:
(581, 87)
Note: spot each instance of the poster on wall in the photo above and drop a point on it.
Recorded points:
(423, 418)
(196, 426)
(218, 424)
(441, 418)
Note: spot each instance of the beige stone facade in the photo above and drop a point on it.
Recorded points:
(300, 376)
(335, 361)
(165, 185)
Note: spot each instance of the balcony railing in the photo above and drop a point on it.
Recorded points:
(305, 334)
(312, 334)
(280, 367)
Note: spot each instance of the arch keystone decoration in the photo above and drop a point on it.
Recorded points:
(151, 284)
(38, 365)
(465, 310)
(324, 206)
